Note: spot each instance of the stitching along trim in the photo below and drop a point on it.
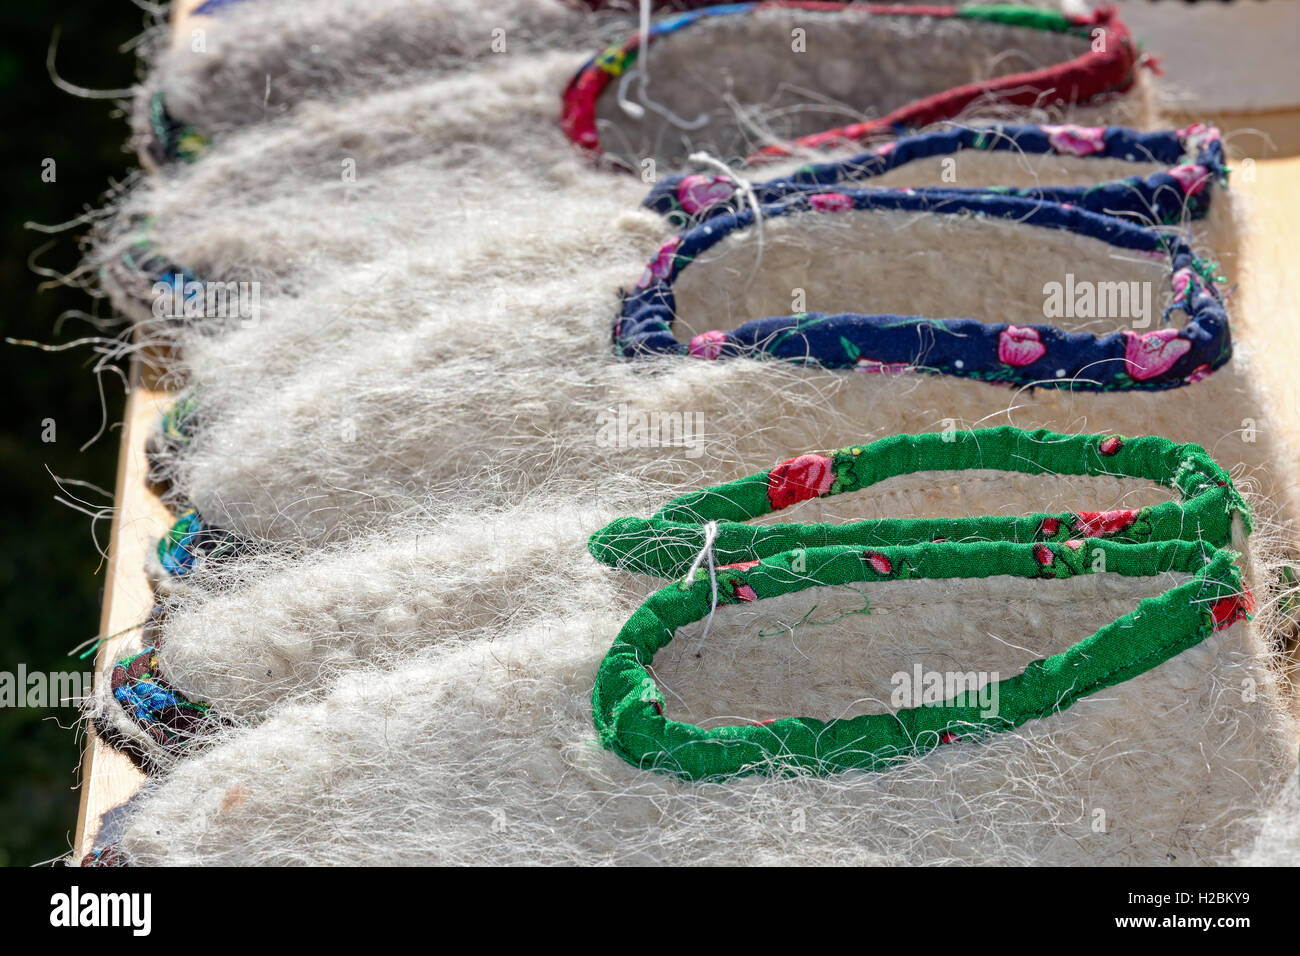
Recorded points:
(628, 708)
(1086, 77)
(1029, 355)
(1194, 156)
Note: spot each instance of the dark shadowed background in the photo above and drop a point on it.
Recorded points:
(51, 575)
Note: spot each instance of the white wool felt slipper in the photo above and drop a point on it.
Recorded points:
(422, 583)
(745, 79)
(301, 201)
(248, 63)
(484, 751)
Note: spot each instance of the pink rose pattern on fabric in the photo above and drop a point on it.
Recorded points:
(1192, 177)
(1152, 353)
(830, 202)
(661, 266)
(1076, 140)
(808, 476)
(707, 345)
(698, 193)
(1096, 524)
(1197, 136)
(879, 562)
(1020, 346)
(1183, 280)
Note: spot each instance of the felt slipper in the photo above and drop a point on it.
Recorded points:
(747, 564)
(773, 54)
(630, 710)
(1020, 353)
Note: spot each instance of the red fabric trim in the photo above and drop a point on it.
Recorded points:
(1074, 81)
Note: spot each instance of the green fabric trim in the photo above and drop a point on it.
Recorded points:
(1190, 535)
(628, 707)
(667, 543)
(1017, 16)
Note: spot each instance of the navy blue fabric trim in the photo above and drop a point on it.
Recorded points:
(212, 6)
(1029, 355)
(1158, 198)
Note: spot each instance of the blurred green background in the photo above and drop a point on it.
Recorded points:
(51, 575)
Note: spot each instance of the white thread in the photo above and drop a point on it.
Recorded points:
(642, 72)
(710, 535)
(747, 188)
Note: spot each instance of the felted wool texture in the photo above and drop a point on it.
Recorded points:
(370, 226)
(311, 453)
(261, 60)
(258, 61)
(741, 72)
(290, 220)
(495, 122)
(866, 261)
(1278, 842)
(485, 752)
(168, 434)
(282, 628)
(422, 583)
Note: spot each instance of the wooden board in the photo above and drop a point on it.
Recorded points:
(1269, 275)
(108, 777)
